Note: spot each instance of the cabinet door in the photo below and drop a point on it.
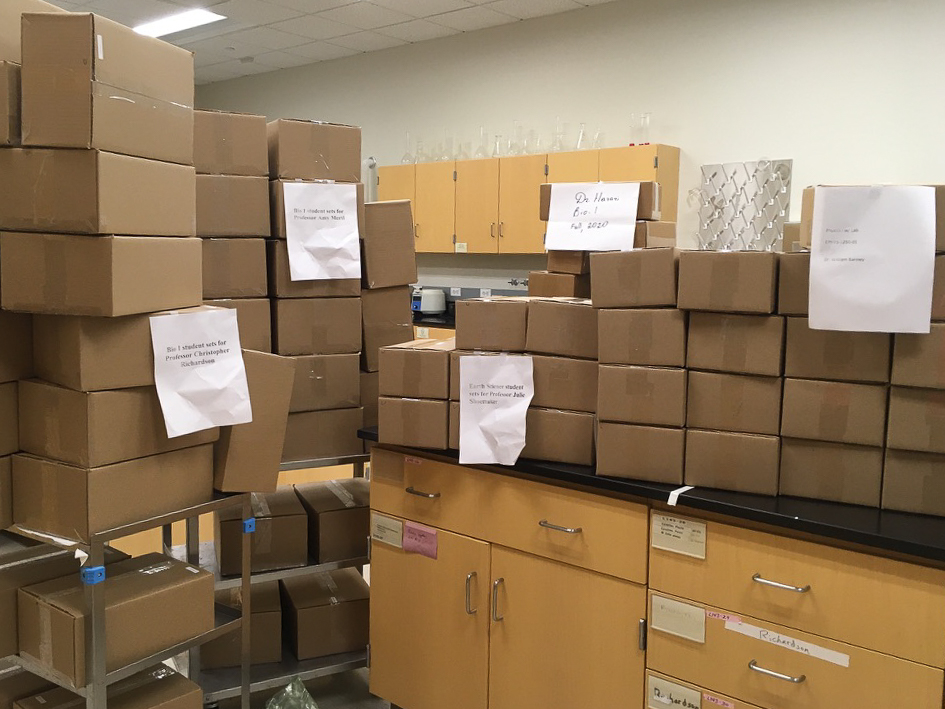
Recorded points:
(567, 637)
(397, 182)
(644, 163)
(575, 166)
(435, 207)
(428, 651)
(520, 229)
(477, 206)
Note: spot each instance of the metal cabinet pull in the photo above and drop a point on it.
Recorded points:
(469, 577)
(416, 231)
(757, 578)
(492, 230)
(495, 600)
(420, 493)
(501, 230)
(567, 530)
(777, 675)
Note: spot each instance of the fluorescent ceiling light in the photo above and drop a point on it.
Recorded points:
(178, 23)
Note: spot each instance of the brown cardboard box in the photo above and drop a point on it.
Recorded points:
(16, 353)
(141, 590)
(89, 82)
(6, 492)
(831, 471)
(279, 542)
(564, 383)
(388, 254)
(9, 103)
(575, 262)
(92, 429)
(338, 518)
(59, 274)
(386, 320)
(641, 452)
(645, 337)
(419, 369)
(254, 317)
(745, 344)
(325, 382)
(634, 279)
(655, 235)
(323, 434)
(9, 425)
(265, 629)
(834, 411)
(316, 326)
(732, 461)
(17, 683)
(312, 150)
(807, 217)
(454, 426)
(281, 284)
(730, 282)
(643, 395)
(74, 502)
(916, 420)
(919, 360)
(234, 268)
(160, 688)
(247, 456)
(793, 283)
(277, 208)
(493, 324)
(230, 144)
(231, 205)
(734, 402)
(455, 356)
(938, 290)
(545, 284)
(417, 423)
(370, 383)
(791, 233)
(92, 192)
(830, 354)
(914, 482)
(559, 436)
(326, 614)
(10, 12)
(562, 326)
(648, 206)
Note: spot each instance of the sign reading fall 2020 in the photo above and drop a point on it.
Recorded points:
(592, 216)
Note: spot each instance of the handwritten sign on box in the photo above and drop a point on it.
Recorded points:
(592, 216)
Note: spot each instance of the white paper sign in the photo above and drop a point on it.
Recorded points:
(199, 371)
(678, 535)
(872, 258)
(592, 216)
(789, 643)
(322, 231)
(495, 391)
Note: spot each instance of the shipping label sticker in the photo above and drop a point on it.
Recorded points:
(662, 693)
(419, 539)
(677, 618)
(716, 701)
(322, 234)
(678, 535)
(387, 530)
(592, 216)
(775, 638)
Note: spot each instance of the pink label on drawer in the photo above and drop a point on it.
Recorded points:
(419, 539)
(413, 461)
(728, 617)
(718, 702)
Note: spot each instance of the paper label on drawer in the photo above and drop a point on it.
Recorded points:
(723, 616)
(387, 530)
(678, 535)
(661, 693)
(789, 643)
(676, 618)
(715, 701)
(419, 539)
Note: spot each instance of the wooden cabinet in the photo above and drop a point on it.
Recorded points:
(397, 182)
(646, 163)
(575, 166)
(477, 206)
(435, 207)
(520, 180)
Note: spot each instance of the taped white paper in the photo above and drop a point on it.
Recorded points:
(199, 370)
(592, 216)
(322, 235)
(789, 643)
(673, 499)
(495, 392)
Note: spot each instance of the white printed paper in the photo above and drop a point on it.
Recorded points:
(789, 643)
(495, 392)
(872, 259)
(663, 693)
(678, 535)
(677, 618)
(592, 216)
(387, 530)
(199, 371)
(322, 235)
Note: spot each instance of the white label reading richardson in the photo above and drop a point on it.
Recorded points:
(872, 259)
(676, 618)
(775, 638)
(678, 535)
(322, 235)
(592, 216)
(661, 693)
(199, 371)
(387, 530)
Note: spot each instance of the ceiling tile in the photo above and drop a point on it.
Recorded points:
(132, 12)
(266, 38)
(227, 46)
(314, 27)
(281, 60)
(311, 6)
(417, 31)
(594, 2)
(424, 8)
(367, 41)
(473, 18)
(322, 51)
(255, 12)
(365, 16)
(207, 57)
(525, 9)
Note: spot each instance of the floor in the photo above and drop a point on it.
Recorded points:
(348, 690)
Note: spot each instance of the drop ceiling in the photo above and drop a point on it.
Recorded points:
(260, 36)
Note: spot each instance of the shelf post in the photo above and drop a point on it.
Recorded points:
(249, 528)
(93, 579)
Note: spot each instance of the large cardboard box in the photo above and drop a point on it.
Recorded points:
(916, 420)
(831, 354)
(92, 192)
(16, 683)
(644, 278)
(59, 274)
(648, 206)
(641, 452)
(653, 396)
(730, 282)
(277, 207)
(247, 456)
(654, 235)
(564, 383)
(140, 593)
(837, 472)
(10, 15)
(160, 688)
(562, 326)
(279, 542)
(793, 283)
(370, 384)
(326, 614)
(919, 360)
(313, 150)
(9, 419)
(386, 320)
(231, 205)
(230, 144)
(16, 353)
(254, 318)
(655, 338)
(914, 482)
(89, 82)
(388, 253)
(574, 262)
(339, 519)
(9, 103)
(732, 461)
(495, 324)
(455, 357)
(545, 284)
(304, 326)
(834, 411)
(734, 402)
(234, 268)
(265, 629)
(6, 492)
(559, 436)
(454, 426)
(417, 423)
(311, 435)
(419, 369)
(281, 284)
(325, 382)
(938, 290)
(742, 344)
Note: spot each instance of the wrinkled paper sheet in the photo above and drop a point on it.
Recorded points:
(495, 393)
(322, 231)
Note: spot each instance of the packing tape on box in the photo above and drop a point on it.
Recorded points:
(45, 635)
(734, 342)
(639, 385)
(642, 331)
(259, 505)
(835, 412)
(411, 373)
(345, 497)
(724, 272)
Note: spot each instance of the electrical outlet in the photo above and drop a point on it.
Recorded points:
(485, 292)
(461, 249)
(456, 292)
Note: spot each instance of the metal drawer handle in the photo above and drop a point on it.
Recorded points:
(420, 493)
(495, 600)
(492, 229)
(777, 675)
(567, 530)
(757, 578)
(501, 230)
(469, 577)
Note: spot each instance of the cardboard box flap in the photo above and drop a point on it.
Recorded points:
(265, 598)
(334, 495)
(326, 589)
(447, 344)
(281, 503)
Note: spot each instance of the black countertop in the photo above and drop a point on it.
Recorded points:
(442, 320)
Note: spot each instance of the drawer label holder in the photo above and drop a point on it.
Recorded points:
(677, 618)
(678, 535)
(662, 693)
(387, 530)
(775, 638)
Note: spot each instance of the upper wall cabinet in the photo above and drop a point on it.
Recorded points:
(645, 163)
(477, 206)
(574, 166)
(520, 229)
(397, 182)
(435, 207)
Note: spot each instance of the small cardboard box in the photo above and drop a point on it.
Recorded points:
(454, 426)
(92, 192)
(916, 420)
(648, 206)
(545, 284)
(834, 411)
(16, 354)
(791, 234)
(279, 542)
(325, 382)
(417, 423)
(655, 338)
(75, 502)
(742, 344)
(734, 402)
(563, 383)
(732, 461)
(386, 320)
(9, 103)
(10, 16)
(641, 452)
(495, 324)
(230, 144)
(562, 326)
(234, 268)
(6, 492)
(644, 278)
(304, 326)
(326, 614)
(265, 629)
(793, 283)
(160, 688)
(254, 318)
(559, 436)
(836, 355)
(914, 482)
(311, 435)
(277, 207)
(141, 591)
(418, 369)
(574, 262)
(17, 683)
(938, 290)
(370, 383)
(919, 360)
(281, 284)
(9, 419)
(388, 253)
(837, 472)
(338, 518)
(653, 396)
(59, 274)
(231, 205)
(312, 150)
(655, 235)
(729, 282)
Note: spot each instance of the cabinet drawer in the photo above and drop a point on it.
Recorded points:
(663, 691)
(781, 668)
(890, 606)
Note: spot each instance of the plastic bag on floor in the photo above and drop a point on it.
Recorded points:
(294, 696)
